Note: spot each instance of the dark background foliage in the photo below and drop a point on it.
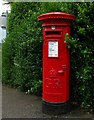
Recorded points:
(22, 49)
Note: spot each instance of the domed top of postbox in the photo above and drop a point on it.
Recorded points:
(56, 15)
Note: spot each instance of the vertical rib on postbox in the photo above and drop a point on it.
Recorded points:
(56, 62)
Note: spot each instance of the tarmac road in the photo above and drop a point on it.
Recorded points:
(16, 104)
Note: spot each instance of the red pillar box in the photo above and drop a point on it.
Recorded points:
(56, 62)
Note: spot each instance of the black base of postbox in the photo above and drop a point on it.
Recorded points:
(55, 108)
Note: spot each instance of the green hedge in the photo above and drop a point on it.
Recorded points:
(22, 49)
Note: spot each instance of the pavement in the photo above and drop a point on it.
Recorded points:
(16, 104)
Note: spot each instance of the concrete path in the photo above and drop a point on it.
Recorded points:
(16, 104)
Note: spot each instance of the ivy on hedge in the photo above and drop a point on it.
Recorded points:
(22, 49)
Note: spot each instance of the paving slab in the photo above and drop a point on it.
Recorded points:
(16, 104)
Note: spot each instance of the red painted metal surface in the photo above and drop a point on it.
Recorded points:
(56, 56)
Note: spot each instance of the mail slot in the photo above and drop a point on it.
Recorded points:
(53, 33)
(56, 62)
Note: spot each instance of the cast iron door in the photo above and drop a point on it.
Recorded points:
(55, 70)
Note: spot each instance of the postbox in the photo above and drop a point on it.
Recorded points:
(56, 62)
